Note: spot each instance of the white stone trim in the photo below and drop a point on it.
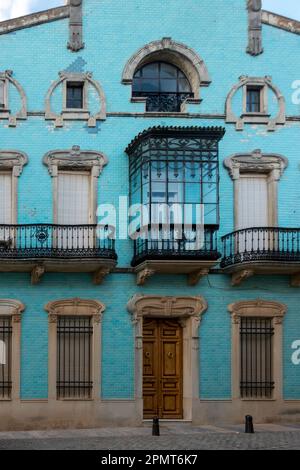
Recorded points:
(257, 162)
(80, 114)
(178, 54)
(189, 311)
(5, 113)
(15, 161)
(76, 159)
(74, 307)
(14, 309)
(265, 83)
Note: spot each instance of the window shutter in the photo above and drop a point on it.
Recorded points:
(5, 198)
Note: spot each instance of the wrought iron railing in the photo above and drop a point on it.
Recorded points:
(176, 244)
(261, 244)
(55, 241)
(163, 102)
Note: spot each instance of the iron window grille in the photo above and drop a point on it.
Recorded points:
(254, 100)
(256, 337)
(164, 86)
(75, 95)
(5, 358)
(74, 357)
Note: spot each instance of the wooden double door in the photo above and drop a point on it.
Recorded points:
(162, 369)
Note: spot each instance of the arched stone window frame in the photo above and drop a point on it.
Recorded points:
(74, 307)
(264, 83)
(257, 162)
(189, 311)
(76, 159)
(14, 308)
(176, 53)
(81, 114)
(7, 78)
(264, 309)
(14, 161)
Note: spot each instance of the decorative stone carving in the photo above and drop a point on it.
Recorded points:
(265, 83)
(166, 307)
(75, 43)
(99, 275)
(239, 277)
(80, 114)
(255, 27)
(75, 307)
(75, 158)
(256, 162)
(12, 308)
(176, 53)
(36, 274)
(257, 308)
(8, 80)
(195, 277)
(13, 159)
(143, 275)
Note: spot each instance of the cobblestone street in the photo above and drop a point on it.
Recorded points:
(173, 437)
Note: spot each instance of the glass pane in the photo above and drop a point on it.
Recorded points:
(138, 74)
(183, 85)
(168, 86)
(136, 84)
(168, 71)
(75, 95)
(151, 70)
(150, 85)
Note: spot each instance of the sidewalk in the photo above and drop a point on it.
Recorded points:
(173, 437)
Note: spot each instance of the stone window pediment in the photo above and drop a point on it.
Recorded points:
(256, 162)
(6, 82)
(75, 307)
(75, 159)
(82, 114)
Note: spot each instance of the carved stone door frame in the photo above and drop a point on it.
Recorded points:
(189, 311)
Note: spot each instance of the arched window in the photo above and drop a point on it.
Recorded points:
(165, 86)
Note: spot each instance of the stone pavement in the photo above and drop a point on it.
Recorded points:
(175, 436)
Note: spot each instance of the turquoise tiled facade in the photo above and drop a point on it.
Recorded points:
(113, 32)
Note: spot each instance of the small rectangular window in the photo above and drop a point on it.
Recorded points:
(2, 94)
(254, 100)
(75, 95)
(5, 358)
(256, 337)
(74, 357)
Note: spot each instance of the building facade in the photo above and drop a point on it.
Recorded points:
(106, 105)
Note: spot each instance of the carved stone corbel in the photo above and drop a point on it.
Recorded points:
(195, 277)
(239, 277)
(75, 43)
(295, 280)
(36, 274)
(255, 27)
(143, 275)
(99, 275)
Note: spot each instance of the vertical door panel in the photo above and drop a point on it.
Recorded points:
(162, 382)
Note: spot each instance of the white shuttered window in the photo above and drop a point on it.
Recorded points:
(5, 198)
(73, 208)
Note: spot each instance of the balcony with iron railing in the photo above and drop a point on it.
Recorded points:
(262, 250)
(172, 250)
(40, 248)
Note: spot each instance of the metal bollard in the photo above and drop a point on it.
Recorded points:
(249, 428)
(155, 427)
